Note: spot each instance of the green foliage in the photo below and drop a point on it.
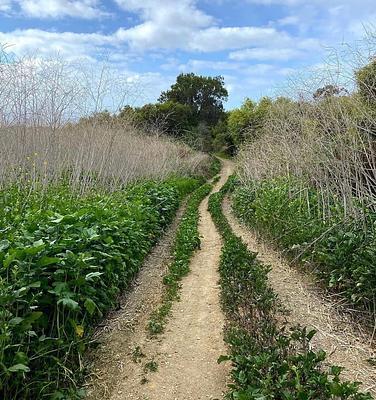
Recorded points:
(203, 95)
(342, 250)
(63, 261)
(239, 120)
(188, 111)
(186, 242)
(170, 117)
(244, 123)
(366, 81)
(199, 137)
(268, 363)
(222, 141)
(102, 117)
(215, 167)
(151, 366)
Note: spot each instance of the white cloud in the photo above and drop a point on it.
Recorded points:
(273, 54)
(203, 65)
(68, 44)
(183, 13)
(150, 35)
(286, 48)
(218, 39)
(257, 54)
(256, 71)
(278, 2)
(5, 5)
(86, 9)
(289, 20)
(181, 25)
(167, 25)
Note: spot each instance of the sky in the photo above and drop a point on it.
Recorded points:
(255, 44)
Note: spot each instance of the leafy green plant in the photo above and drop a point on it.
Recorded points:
(151, 366)
(215, 166)
(64, 259)
(342, 250)
(267, 361)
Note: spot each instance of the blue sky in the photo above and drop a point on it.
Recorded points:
(255, 44)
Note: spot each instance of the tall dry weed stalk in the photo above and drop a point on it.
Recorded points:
(327, 142)
(42, 137)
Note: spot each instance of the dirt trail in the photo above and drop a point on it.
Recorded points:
(345, 345)
(186, 354)
(125, 328)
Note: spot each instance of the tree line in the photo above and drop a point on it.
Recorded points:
(192, 110)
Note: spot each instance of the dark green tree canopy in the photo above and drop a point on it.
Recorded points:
(204, 95)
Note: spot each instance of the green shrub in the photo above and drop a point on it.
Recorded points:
(267, 361)
(64, 260)
(215, 167)
(342, 250)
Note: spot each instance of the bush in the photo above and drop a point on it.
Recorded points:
(268, 363)
(343, 250)
(366, 81)
(64, 262)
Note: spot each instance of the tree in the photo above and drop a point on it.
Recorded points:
(246, 121)
(170, 118)
(239, 121)
(178, 117)
(222, 139)
(204, 96)
(102, 117)
(329, 91)
(366, 81)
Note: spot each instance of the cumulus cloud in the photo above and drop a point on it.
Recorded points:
(179, 30)
(289, 20)
(204, 65)
(68, 44)
(277, 2)
(168, 24)
(86, 9)
(183, 13)
(138, 39)
(285, 49)
(181, 25)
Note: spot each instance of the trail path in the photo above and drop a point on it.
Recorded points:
(125, 329)
(345, 345)
(186, 354)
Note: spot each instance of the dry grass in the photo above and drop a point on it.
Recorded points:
(328, 142)
(91, 154)
(40, 140)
